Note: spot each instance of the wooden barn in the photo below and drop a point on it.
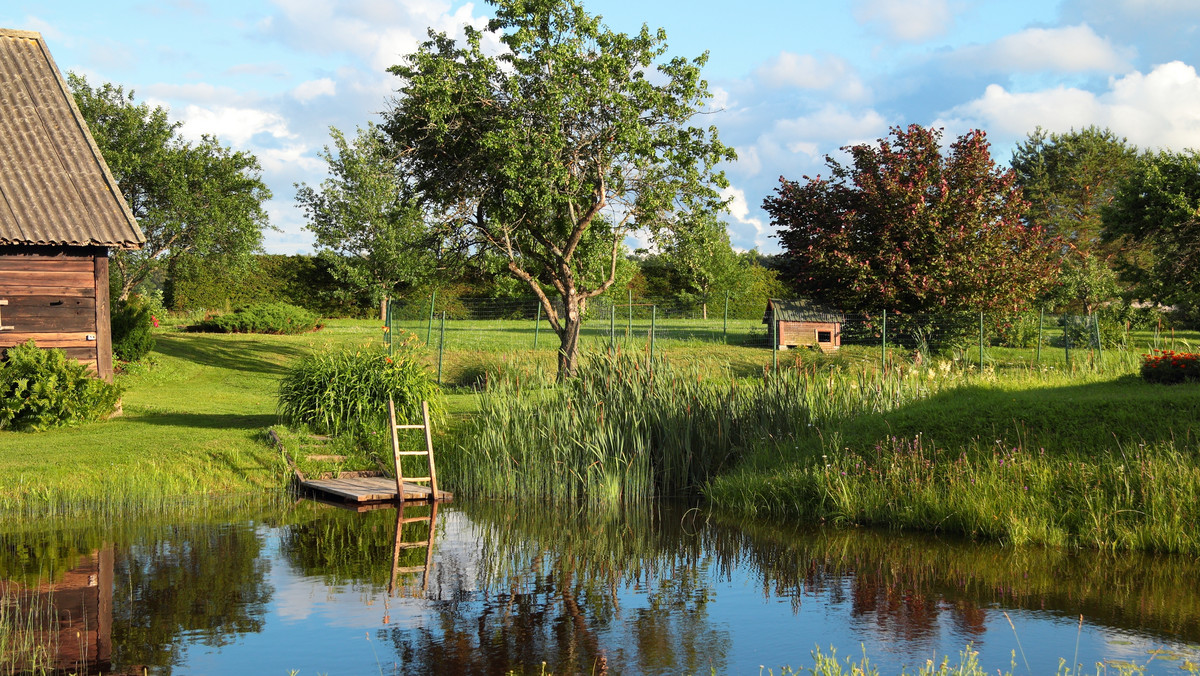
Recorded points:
(801, 322)
(61, 212)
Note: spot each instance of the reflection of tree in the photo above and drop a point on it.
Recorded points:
(908, 583)
(193, 581)
(549, 587)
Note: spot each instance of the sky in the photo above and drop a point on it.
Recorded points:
(792, 80)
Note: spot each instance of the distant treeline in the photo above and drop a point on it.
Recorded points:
(192, 284)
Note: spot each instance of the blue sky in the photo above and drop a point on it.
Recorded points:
(792, 80)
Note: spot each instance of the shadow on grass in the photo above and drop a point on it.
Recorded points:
(1078, 419)
(221, 351)
(207, 421)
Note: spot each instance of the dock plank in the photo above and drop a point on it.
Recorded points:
(371, 489)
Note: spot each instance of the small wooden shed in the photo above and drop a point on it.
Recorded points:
(801, 322)
(60, 212)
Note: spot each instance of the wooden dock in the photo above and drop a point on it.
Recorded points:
(371, 489)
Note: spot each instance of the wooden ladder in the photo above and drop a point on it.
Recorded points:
(397, 453)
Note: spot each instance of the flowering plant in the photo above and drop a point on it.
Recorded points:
(1168, 366)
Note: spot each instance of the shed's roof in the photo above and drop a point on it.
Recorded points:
(54, 186)
(800, 310)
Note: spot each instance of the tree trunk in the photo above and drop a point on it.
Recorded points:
(704, 310)
(568, 335)
(383, 309)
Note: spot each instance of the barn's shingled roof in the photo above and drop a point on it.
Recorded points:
(54, 186)
(800, 310)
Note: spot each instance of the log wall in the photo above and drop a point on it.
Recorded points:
(58, 297)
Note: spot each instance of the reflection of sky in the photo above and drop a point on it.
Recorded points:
(316, 628)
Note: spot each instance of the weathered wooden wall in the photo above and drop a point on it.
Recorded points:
(58, 297)
(805, 333)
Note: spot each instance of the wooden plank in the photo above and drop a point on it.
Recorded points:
(326, 458)
(50, 339)
(104, 353)
(49, 278)
(46, 314)
(10, 290)
(369, 489)
(38, 264)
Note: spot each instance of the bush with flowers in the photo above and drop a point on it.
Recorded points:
(1168, 366)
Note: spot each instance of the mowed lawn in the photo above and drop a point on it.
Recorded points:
(194, 421)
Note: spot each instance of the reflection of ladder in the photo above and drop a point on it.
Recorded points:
(397, 453)
(401, 545)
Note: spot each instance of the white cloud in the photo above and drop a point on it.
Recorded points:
(1157, 109)
(235, 126)
(307, 91)
(907, 20)
(739, 209)
(805, 71)
(829, 128)
(1070, 49)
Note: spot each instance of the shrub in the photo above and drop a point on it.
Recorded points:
(1015, 331)
(276, 318)
(45, 388)
(1165, 366)
(131, 323)
(346, 390)
(1080, 330)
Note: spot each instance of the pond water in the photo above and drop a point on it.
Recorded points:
(655, 589)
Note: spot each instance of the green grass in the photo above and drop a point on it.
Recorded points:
(194, 424)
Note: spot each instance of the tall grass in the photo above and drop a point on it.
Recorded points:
(26, 633)
(628, 428)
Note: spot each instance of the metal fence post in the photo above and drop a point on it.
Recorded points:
(653, 324)
(1041, 321)
(387, 325)
(883, 345)
(629, 326)
(441, 347)
(612, 330)
(981, 341)
(429, 329)
(725, 321)
(1067, 339)
(775, 343)
(537, 325)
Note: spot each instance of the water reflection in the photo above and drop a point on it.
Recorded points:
(489, 588)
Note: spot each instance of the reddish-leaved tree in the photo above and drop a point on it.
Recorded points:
(909, 230)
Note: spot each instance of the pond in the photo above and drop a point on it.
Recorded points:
(649, 589)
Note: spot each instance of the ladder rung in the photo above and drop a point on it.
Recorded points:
(413, 453)
(412, 569)
(415, 519)
(417, 479)
(410, 427)
(413, 545)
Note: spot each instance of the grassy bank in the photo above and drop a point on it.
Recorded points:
(1028, 458)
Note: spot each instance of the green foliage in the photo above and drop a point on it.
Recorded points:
(346, 390)
(1068, 180)
(275, 318)
(372, 234)
(909, 230)
(40, 389)
(552, 152)
(1015, 331)
(199, 198)
(1080, 331)
(1157, 208)
(304, 281)
(132, 321)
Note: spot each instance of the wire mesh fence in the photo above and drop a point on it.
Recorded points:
(977, 339)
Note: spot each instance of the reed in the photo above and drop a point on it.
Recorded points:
(632, 428)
